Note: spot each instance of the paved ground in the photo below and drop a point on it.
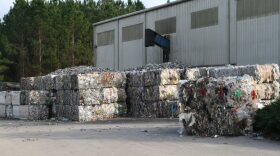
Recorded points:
(120, 138)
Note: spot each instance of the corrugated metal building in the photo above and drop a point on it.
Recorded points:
(203, 33)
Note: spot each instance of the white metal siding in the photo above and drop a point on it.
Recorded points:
(131, 53)
(106, 56)
(248, 41)
(257, 39)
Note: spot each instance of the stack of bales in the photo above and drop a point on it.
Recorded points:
(225, 99)
(34, 99)
(91, 96)
(153, 93)
(9, 104)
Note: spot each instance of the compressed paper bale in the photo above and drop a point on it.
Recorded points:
(9, 111)
(135, 79)
(15, 97)
(89, 97)
(38, 83)
(33, 97)
(8, 98)
(48, 82)
(157, 93)
(21, 112)
(2, 111)
(112, 95)
(161, 77)
(3, 97)
(27, 83)
(268, 91)
(38, 112)
(113, 79)
(268, 73)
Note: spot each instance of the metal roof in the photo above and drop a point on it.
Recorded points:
(142, 11)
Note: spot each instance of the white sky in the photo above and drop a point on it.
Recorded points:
(6, 4)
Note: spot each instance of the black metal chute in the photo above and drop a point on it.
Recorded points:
(153, 38)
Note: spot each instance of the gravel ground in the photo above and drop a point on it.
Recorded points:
(121, 137)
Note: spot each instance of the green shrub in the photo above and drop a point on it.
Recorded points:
(267, 120)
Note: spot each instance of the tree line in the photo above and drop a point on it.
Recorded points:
(40, 36)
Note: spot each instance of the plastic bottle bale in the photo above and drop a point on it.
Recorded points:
(48, 82)
(59, 97)
(268, 91)
(75, 97)
(38, 83)
(89, 97)
(3, 97)
(33, 97)
(166, 109)
(135, 93)
(135, 79)
(158, 93)
(27, 83)
(86, 81)
(113, 79)
(66, 80)
(195, 73)
(38, 112)
(58, 82)
(228, 71)
(161, 77)
(67, 97)
(108, 111)
(71, 112)
(112, 95)
(85, 113)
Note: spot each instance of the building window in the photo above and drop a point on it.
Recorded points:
(166, 26)
(133, 32)
(105, 38)
(205, 18)
(256, 8)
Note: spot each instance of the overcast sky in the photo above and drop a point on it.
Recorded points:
(6, 4)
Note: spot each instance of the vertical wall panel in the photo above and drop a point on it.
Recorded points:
(131, 53)
(106, 55)
(208, 45)
(257, 34)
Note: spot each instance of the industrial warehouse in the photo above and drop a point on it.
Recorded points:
(189, 77)
(201, 33)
